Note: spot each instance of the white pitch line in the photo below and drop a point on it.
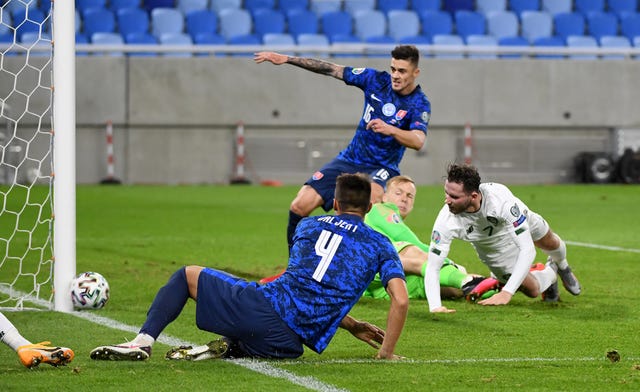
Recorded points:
(603, 247)
(448, 361)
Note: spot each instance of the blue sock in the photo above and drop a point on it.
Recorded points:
(167, 304)
(294, 219)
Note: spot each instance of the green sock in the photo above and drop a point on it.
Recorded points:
(450, 276)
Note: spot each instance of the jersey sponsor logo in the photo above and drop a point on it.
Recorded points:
(373, 96)
(493, 220)
(400, 115)
(519, 221)
(388, 109)
(317, 175)
(425, 116)
(470, 230)
(520, 231)
(435, 238)
(515, 211)
(436, 251)
(357, 71)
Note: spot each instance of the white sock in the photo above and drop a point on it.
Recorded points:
(559, 256)
(545, 277)
(143, 340)
(10, 335)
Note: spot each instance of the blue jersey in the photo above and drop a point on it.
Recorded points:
(332, 261)
(408, 112)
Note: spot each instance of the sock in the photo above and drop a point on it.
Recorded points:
(294, 219)
(545, 277)
(144, 339)
(450, 276)
(559, 256)
(167, 304)
(9, 334)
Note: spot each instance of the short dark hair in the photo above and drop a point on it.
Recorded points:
(406, 52)
(466, 175)
(353, 192)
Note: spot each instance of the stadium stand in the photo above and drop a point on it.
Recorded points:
(557, 6)
(601, 23)
(166, 21)
(322, 6)
(502, 24)
(186, 6)
(392, 5)
(582, 41)
(150, 5)
(115, 5)
(403, 23)
(512, 41)
(486, 6)
(436, 22)
(235, 22)
(301, 21)
(617, 41)
(353, 6)
(132, 20)
(470, 23)
(622, 7)
(176, 39)
(586, 7)
(219, 5)
(536, 24)
(290, 5)
(201, 22)
(448, 39)
(630, 25)
(569, 23)
(141, 39)
(268, 21)
(337, 23)
(98, 20)
(451, 6)
(102, 38)
(83, 5)
(519, 6)
(549, 41)
(369, 24)
(28, 21)
(423, 5)
(483, 41)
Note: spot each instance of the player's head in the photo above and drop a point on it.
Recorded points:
(353, 194)
(404, 68)
(401, 191)
(462, 188)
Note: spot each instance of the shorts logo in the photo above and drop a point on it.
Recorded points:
(515, 211)
(388, 109)
(435, 237)
(400, 115)
(317, 175)
(357, 71)
(519, 221)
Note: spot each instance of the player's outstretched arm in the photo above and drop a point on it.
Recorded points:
(397, 289)
(313, 65)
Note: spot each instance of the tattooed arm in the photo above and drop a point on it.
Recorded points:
(313, 65)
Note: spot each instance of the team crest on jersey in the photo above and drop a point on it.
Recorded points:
(515, 211)
(357, 71)
(436, 237)
(317, 175)
(425, 116)
(388, 109)
(493, 220)
(400, 115)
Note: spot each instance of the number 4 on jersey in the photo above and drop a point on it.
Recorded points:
(326, 247)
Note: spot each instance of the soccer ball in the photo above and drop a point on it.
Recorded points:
(89, 290)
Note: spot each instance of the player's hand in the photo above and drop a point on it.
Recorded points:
(379, 126)
(272, 57)
(388, 356)
(501, 298)
(368, 333)
(443, 309)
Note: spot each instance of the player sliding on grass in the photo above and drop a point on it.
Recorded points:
(504, 233)
(31, 355)
(333, 259)
(388, 218)
(396, 115)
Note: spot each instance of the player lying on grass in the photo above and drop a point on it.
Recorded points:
(332, 261)
(31, 355)
(388, 218)
(504, 233)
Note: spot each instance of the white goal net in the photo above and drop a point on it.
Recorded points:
(26, 181)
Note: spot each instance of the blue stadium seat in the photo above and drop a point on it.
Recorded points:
(101, 38)
(78, 22)
(451, 6)
(448, 39)
(470, 23)
(415, 40)
(186, 6)
(344, 39)
(353, 6)
(423, 5)
(115, 5)
(486, 6)
(557, 6)
(45, 6)
(289, 5)
(235, 22)
(98, 20)
(582, 41)
(141, 39)
(209, 39)
(569, 23)
(30, 39)
(246, 39)
(392, 5)
(368, 24)
(622, 7)
(512, 41)
(636, 43)
(254, 5)
(502, 24)
(83, 5)
(482, 40)
(166, 21)
(201, 21)
(601, 23)
(13, 6)
(518, 6)
(182, 39)
(29, 21)
(337, 23)
(81, 38)
(5, 23)
(436, 22)
(278, 39)
(588, 6)
(322, 6)
(536, 24)
(308, 40)
(403, 23)
(552, 41)
(150, 5)
(614, 41)
(219, 5)
(630, 25)
(268, 21)
(302, 22)
(132, 20)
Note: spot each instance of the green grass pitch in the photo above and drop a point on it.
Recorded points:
(136, 236)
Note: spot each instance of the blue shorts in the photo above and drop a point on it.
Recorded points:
(232, 307)
(324, 180)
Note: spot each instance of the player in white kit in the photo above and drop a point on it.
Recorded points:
(504, 233)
